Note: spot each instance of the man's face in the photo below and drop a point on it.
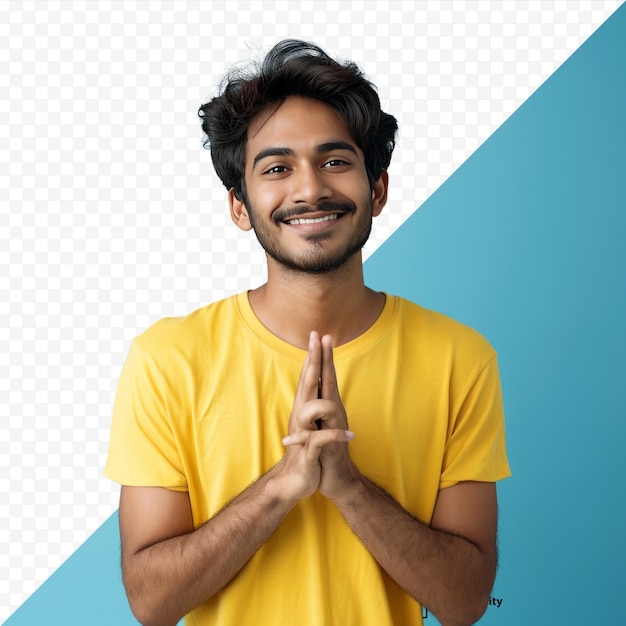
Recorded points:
(308, 196)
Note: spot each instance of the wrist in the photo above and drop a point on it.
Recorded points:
(353, 490)
(279, 487)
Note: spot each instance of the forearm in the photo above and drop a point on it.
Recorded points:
(447, 573)
(168, 579)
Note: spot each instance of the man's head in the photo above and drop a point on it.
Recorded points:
(294, 68)
(309, 199)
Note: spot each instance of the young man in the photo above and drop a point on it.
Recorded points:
(311, 451)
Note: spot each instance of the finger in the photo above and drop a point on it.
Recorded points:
(330, 390)
(317, 439)
(308, 384)
(316, 411)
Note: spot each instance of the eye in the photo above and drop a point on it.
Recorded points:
(276, 169)
(336, 163)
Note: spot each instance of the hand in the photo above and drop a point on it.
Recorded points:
(320, 404)
(300, 468)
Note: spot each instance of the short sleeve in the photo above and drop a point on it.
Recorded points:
(142, 447)
(476, 445)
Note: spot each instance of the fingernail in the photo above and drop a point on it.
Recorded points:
(349, 435)
(286, 440)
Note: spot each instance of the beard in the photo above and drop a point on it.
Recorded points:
(317, 259)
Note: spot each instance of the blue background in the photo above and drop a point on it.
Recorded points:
(526, 243)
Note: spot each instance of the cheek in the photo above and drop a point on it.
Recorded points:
(259, 189)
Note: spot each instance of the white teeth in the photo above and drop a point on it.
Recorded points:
(326, 218)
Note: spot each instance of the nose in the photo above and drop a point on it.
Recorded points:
(309, 185)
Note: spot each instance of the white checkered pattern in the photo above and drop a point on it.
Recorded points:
(111, 216)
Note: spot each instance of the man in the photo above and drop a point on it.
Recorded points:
(311, 451)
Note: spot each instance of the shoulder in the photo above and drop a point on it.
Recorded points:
(440, 334)
(185, 335)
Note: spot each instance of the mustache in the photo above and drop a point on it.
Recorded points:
(326, 206)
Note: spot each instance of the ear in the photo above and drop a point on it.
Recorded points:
(238, 211)
(379, 193)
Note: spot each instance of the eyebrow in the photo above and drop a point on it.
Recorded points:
(335, 145)
(267, 152)
(329, 146)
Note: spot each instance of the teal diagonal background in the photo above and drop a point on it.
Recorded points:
(525, 242)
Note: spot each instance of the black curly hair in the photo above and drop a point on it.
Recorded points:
(294, 68)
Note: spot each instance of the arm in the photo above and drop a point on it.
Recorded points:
(449, 566)
(169, 568)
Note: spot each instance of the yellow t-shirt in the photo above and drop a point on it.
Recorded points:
(204, 401)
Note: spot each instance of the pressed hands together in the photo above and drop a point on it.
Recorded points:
(170, 568)
(317, 455)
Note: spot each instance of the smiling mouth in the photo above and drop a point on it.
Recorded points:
(315, 220)
(300, 215)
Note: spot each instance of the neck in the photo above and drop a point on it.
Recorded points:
(292, 304)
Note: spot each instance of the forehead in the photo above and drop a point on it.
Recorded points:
(298, 123)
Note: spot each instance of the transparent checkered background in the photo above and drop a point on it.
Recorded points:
(111, 216)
